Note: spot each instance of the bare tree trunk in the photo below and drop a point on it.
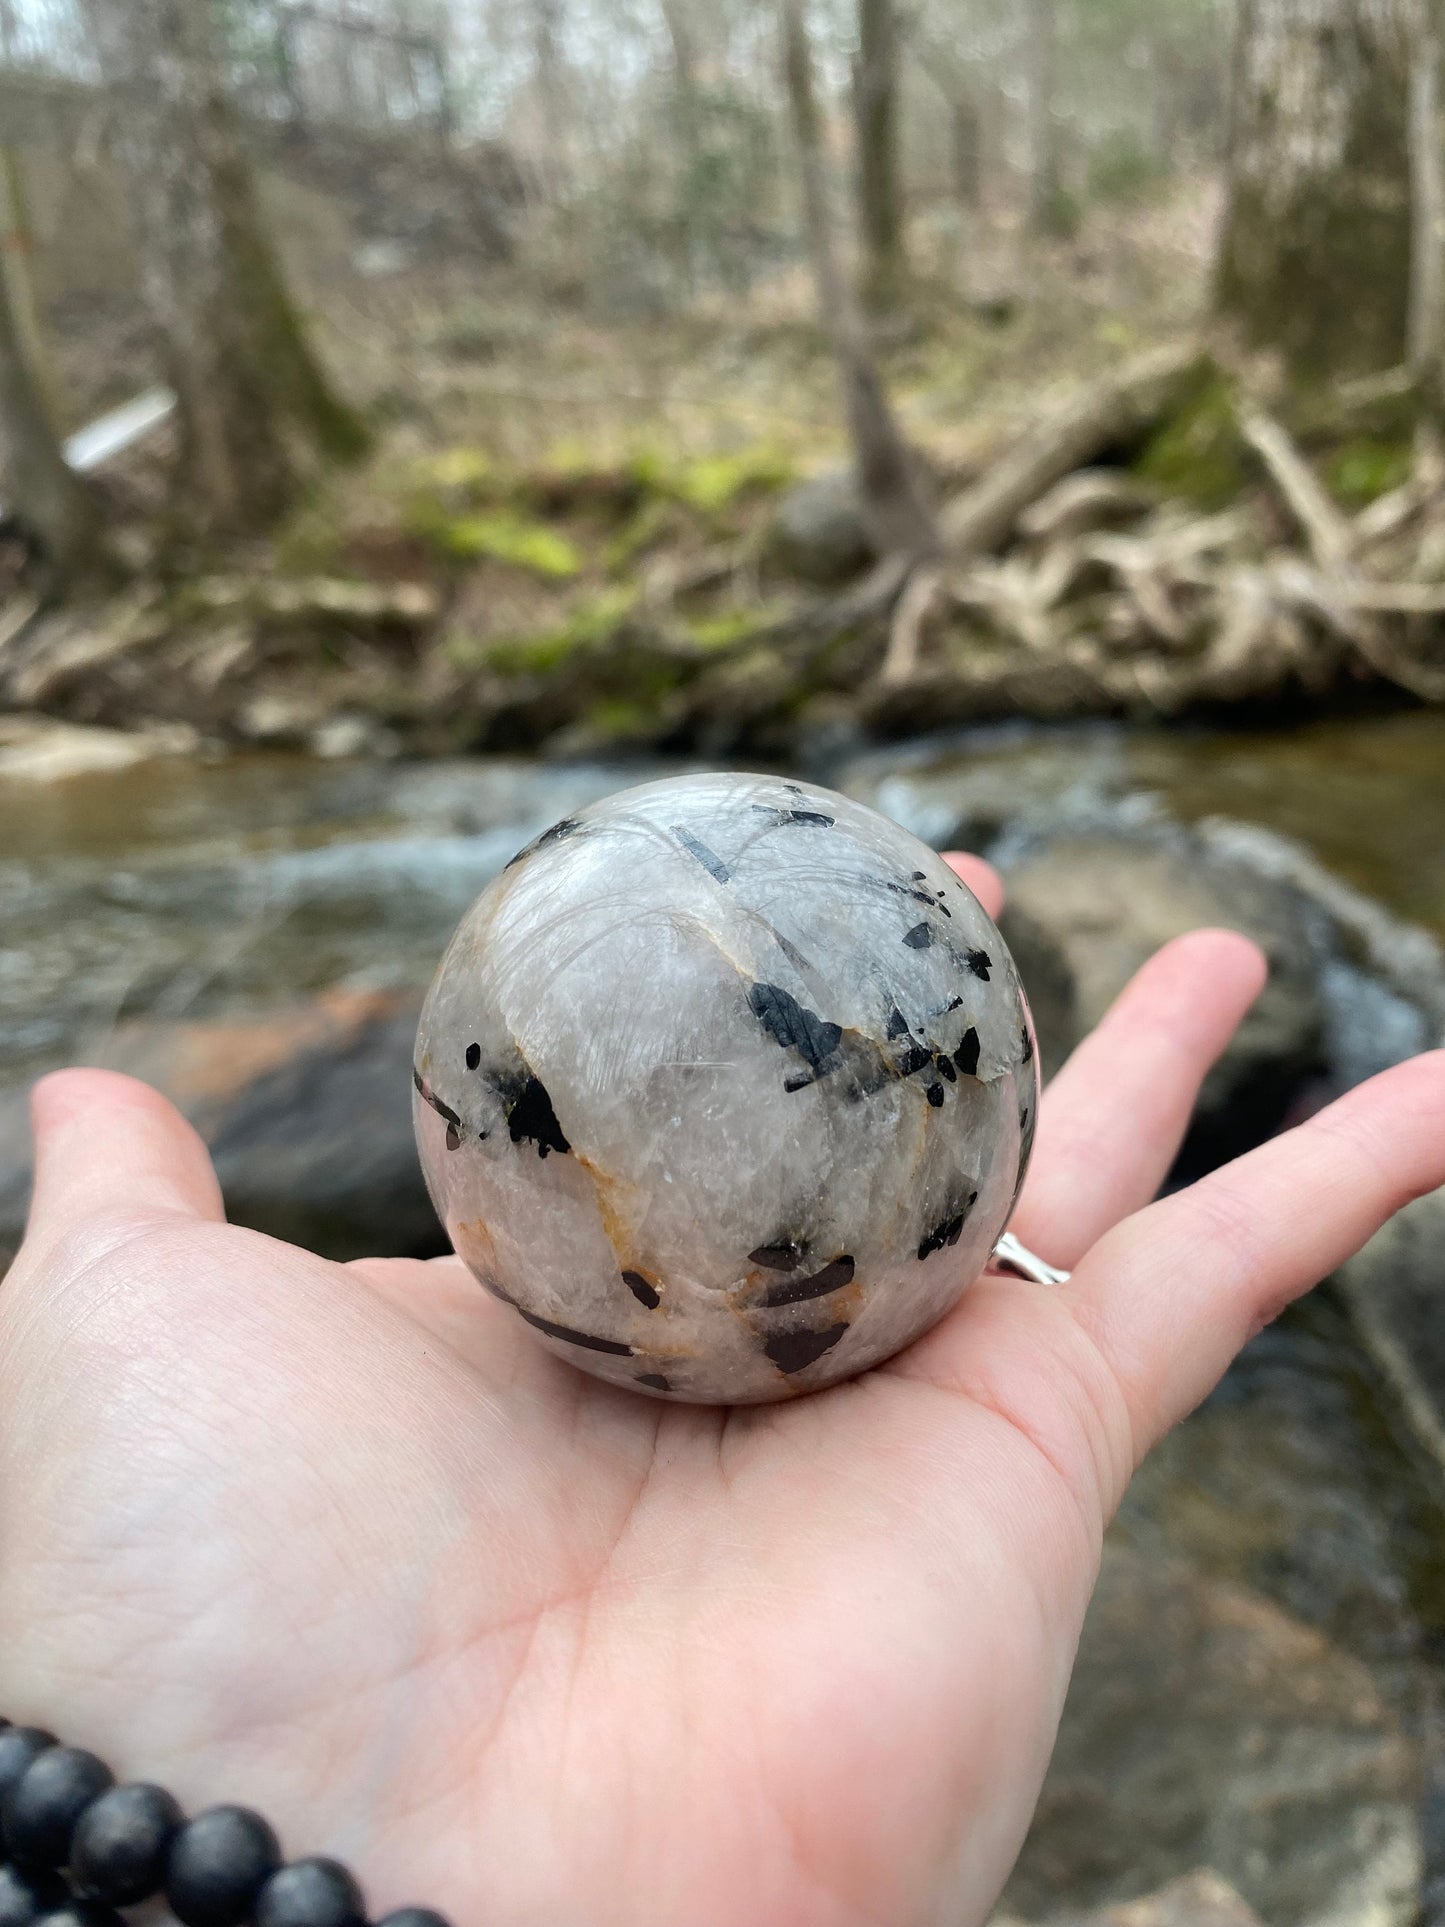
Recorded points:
(1043, 162)
(687, 125)
(255, 407)
(16, 253)
(550, 84)
(888, 483)
(1315, 255)
(965, 151)
(1164, 105)
(1427, 175)
(49, 500)
(684, 46)
(880, 186)
(957, 80)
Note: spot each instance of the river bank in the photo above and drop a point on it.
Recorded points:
(1168, 536)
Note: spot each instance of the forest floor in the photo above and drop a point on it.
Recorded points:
(588, 535)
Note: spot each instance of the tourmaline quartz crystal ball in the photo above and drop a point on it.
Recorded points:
(726, 1085)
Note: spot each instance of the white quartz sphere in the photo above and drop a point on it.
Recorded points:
(726, 1085)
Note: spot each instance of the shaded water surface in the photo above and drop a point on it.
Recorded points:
(1366, 797)
(176, 889)
(180, 888)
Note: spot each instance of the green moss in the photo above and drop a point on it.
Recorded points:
(717, 482)
(499, 536)
(620, 719)
(467, 469)
(641, 489)
(642, 531)
(726, 630)
(531, 655)
(711, 484)
(591, 624)
(1199, 453)
(650, 469)
(1360, 470)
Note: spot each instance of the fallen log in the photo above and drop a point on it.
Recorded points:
(1120, 409)
(405, 605)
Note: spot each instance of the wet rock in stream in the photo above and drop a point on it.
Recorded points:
(307, 1112)
(1204, 1726)
(1199, 1899)
(1395, 1291)
(1089, 911)
(320, 1150)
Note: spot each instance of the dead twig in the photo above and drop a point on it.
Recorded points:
(910, 613)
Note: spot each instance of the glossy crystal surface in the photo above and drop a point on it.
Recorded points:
(726, 1085)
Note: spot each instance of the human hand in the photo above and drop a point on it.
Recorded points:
(344, 1543)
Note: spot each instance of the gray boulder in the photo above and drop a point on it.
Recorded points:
(1204, 1726)
(1199, 1899)
(1395, 1292)
(1086, 912)
(819, 532)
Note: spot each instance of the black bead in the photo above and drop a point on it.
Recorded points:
(81, 1913)
(311, 1893)
(19, 1745)
(41, 1809)
(217, 1865)
(118, 1850)
(414, 1917)
(26, 1893)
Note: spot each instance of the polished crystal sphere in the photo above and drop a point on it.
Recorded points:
(726, 1085)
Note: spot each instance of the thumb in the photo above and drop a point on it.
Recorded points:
(109, 1145)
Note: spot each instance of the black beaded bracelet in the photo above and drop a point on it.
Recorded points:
(75, 1847)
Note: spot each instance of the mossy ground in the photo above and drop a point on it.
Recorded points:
(588, 505)
(1199, 455)
(570, 490)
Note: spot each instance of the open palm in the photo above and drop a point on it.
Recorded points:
(345, 1543)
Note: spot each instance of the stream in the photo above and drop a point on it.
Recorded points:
(182, 888)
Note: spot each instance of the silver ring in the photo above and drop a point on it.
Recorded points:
(1010, 1255)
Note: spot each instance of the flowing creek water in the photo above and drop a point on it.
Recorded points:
(181, 889)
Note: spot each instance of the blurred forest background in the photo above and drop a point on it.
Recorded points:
(715, 373)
